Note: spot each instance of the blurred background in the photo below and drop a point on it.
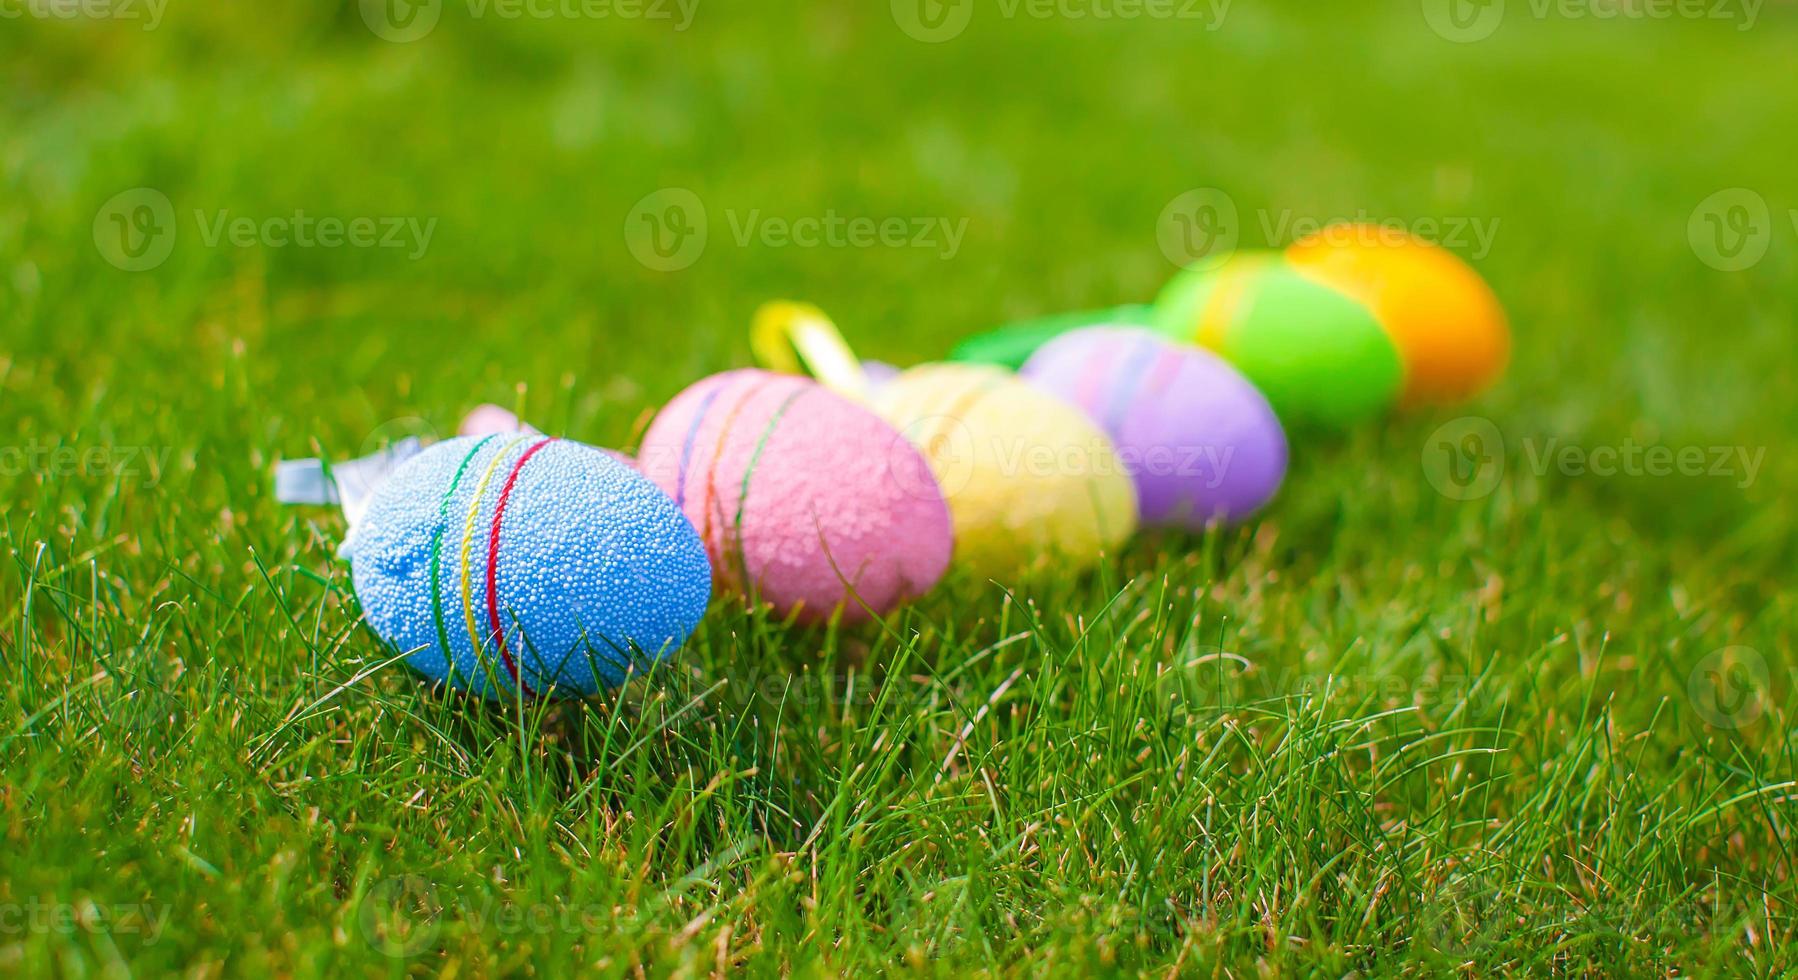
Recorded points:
(1563, 149)
(231, 233)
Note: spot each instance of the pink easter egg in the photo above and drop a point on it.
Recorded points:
(801, 496)
(490, 419)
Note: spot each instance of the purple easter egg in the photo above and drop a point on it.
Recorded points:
(1199, 439)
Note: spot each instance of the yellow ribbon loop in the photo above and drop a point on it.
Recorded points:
(796, 338)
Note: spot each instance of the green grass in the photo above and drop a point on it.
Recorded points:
(1377, 731)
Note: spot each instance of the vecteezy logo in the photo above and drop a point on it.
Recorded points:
(1464, 21)
(666, 230)
(148, 708)
(1206, 677)
(401, 21)
(135, 229)
(1199, 224)
(1465, 917)
(1464, 459)
(933, 21)
(1730, 230)
(1728, 687)
(398, 430)
(947, 445)
(400, 917)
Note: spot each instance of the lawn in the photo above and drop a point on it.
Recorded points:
(1381, 729)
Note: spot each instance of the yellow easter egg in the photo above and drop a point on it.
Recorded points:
(1027, 476)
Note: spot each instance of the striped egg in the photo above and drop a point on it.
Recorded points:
(1200, 442)
(1027, 476)
(804, 499)
(514, 562)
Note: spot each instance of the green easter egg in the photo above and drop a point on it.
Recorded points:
(1011, 345)
(1320, 357)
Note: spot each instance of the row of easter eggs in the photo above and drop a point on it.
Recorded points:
(1336, 330)
(506, 561)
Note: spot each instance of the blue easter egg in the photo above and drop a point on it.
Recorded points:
(519, 562)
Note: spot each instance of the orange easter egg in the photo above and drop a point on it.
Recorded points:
(1450, 330)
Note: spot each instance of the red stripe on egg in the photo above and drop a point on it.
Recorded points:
(499, 513)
